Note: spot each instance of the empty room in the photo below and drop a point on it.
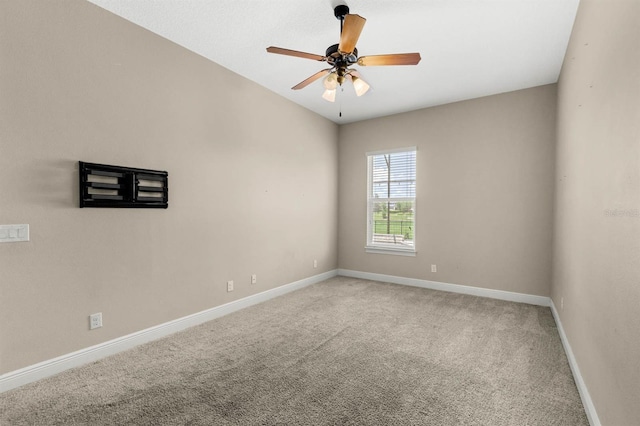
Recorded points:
(320, 212)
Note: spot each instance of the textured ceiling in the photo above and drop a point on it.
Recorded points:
(469, 48)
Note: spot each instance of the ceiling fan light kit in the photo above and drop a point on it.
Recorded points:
(343, 55)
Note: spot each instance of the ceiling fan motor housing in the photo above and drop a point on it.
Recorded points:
(340, 61)
(336, 58)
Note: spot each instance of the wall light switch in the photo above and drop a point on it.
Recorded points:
(14, 233)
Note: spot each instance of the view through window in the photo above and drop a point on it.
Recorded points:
(392, 200)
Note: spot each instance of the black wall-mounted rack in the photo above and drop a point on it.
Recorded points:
(114, 186)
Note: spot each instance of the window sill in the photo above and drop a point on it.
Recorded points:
(396, 251)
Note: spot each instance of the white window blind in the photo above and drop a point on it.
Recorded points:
(391, 199)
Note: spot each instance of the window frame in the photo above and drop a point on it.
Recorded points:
(381, 248)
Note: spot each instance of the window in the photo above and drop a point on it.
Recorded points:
(391, 201)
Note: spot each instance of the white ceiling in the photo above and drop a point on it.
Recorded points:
(469, 48)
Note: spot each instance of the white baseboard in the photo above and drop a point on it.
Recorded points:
(590, 409)
(453, 288)
(53, 366)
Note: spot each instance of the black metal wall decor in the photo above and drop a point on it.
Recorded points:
(114, 186)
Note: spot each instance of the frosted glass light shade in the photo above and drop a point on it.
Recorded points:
(329, 95)
(360, 86)
(331, 82)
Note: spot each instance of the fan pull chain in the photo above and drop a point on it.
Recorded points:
(341, 95)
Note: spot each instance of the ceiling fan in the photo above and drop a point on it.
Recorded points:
(343, 55)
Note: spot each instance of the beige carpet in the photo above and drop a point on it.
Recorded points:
(344, 351)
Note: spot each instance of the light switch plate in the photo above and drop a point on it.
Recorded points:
(14, 233)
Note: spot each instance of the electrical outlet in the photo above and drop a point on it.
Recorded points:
(434, 268)
(229, 285)
(95, 320)
(254, 279)
(315, 263)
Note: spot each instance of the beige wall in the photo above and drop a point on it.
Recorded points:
(484, 191)
(252, 180)
(597, 240)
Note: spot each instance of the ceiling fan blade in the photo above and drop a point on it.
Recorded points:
(311, 79)
(289, 52)
(351, 30)
(392, 59)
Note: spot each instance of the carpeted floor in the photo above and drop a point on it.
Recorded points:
(344, 351)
